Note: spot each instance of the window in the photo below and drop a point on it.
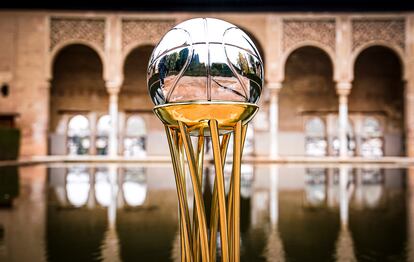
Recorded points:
(102, 135)
(78, 136)
(135, 137)
(315, 140)
(350, 137)
(372, 138)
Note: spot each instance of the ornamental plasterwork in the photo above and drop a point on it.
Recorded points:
(148, 31)
(320, 31)
(75, 29)
(390, 31)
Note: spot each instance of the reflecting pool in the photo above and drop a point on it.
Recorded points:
(129, 213)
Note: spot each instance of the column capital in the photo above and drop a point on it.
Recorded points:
(274, 86)
(113, 86)
(343, 88)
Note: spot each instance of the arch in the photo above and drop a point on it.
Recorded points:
(136, 45)
(378, 90)
(61, 46)
(303, 44)
(395, 49)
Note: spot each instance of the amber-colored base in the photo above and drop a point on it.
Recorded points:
(196, 114)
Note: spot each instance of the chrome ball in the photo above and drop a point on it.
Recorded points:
(205, 59)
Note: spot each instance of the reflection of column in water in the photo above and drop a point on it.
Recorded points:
(358, 187)
(344, 244)
(330, 188)
(343, 194)
(274, 250)
(410, 213)
(91, 198)
(274, 195)
(112, 171)
(110, 245)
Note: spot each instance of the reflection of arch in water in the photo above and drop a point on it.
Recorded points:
(135, 136)
(315, 187)
(77, 186)
(102, 187)
(78, 135)
(134, 186)
(372, 186)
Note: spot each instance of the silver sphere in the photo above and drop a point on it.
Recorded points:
(205, 59)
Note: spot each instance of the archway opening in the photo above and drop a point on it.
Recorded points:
(376, 101)
(135, 103)
(308, 91)
(77, 87)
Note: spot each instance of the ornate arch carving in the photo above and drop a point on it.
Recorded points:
(77, 29)
(136, 32)
(320, 31)
(390, 31)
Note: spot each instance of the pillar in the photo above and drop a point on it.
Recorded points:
(343, 89)
(274, 118)
(113, 113)
(113, 134)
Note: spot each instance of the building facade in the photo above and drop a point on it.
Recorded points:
(337, 84)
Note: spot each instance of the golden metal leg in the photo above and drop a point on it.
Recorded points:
(236, 191)
(214, 203)
(201, 217)
(200, 160)
(196, 243)
(218, 165)
(184, 216)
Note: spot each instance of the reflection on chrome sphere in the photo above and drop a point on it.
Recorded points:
(205, 59)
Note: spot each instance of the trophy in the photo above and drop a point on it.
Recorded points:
(205, 77)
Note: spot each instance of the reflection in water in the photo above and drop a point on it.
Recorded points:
(274, 250)
(117, 213)
(344, 244)
(9, 186)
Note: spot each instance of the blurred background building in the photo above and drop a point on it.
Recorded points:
(337, 84)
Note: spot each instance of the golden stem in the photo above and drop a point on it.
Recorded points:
(184, 216)
(214, 211)
(200, 159)
(197, 192)
(237, 151)
(230, 210)
(218, 165)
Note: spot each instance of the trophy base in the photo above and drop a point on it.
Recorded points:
(199, 241)
(196, 115)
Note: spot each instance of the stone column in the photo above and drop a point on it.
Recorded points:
(343, 89)
(113, 113)
(274, 118)
(409, 87)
